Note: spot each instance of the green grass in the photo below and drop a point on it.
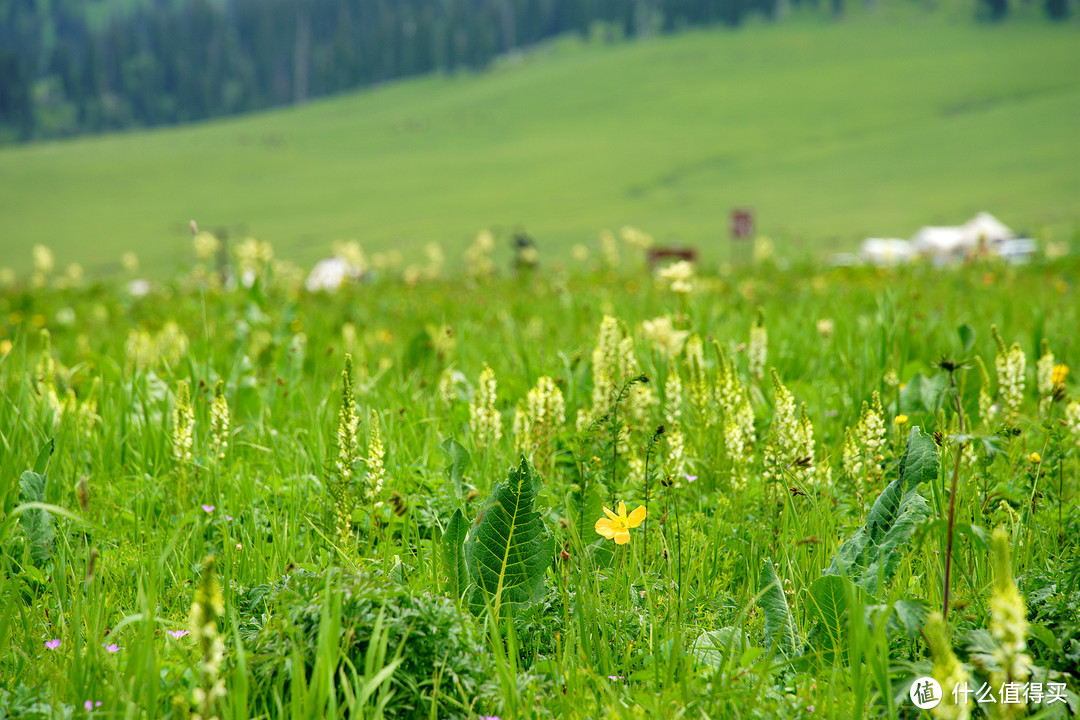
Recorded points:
(114, 555)
(832, 132)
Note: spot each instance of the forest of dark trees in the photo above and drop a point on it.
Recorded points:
(172, 61)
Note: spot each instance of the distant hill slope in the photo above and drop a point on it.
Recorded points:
(831, 132)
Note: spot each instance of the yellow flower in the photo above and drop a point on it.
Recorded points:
(1034, 458)
(900, 420)
(618, 526)
(1057, 378)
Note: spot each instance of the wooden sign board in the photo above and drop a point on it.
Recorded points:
(742, 224)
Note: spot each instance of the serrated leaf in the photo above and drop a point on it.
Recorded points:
(36, 522)
(453, 554)
(779, 626)
(509, 548)
(870, 556)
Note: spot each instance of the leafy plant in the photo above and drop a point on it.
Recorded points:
(1054, 598)
(780, 633)
(829, 604)
(37, 522)
(29, 703)
(453, 556)
(715, 647)
(442, 660)
(870, 556)
(509, 548)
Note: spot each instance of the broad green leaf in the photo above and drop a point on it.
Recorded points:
(453, 554)
(829, 602)
(779, 625)
(714, 647)
(920, 461)
(1045, 636)
(36, 522)
(923, 394)
(509, 548)
(870, 556)
(912, 616)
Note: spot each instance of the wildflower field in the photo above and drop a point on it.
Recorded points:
(588, 492)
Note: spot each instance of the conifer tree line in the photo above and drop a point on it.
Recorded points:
(158, 62)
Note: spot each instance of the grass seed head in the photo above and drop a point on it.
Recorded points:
(183, 424)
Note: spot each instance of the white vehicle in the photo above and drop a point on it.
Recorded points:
(885, 252)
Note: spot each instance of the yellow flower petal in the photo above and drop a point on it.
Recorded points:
(607, 528)
(613, 516)
(622, 538)
(636, 517)
(622, 511)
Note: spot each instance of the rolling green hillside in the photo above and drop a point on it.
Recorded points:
(832, 132)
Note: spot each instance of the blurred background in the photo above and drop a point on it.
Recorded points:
(409, 126)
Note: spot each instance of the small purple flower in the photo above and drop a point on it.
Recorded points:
(208, 508)
(615, 677)
(111, 648)
(490, 717)
(52, 644)
(228, 517)
(177, 634)
(90, 705)
(691, 478)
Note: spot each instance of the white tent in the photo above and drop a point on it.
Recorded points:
(983, 233)
(988, 229)
(942, 244)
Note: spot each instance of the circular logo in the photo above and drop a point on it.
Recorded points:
(925, 693)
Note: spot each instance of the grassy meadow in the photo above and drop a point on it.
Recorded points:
(256, 502)
(873, 126)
